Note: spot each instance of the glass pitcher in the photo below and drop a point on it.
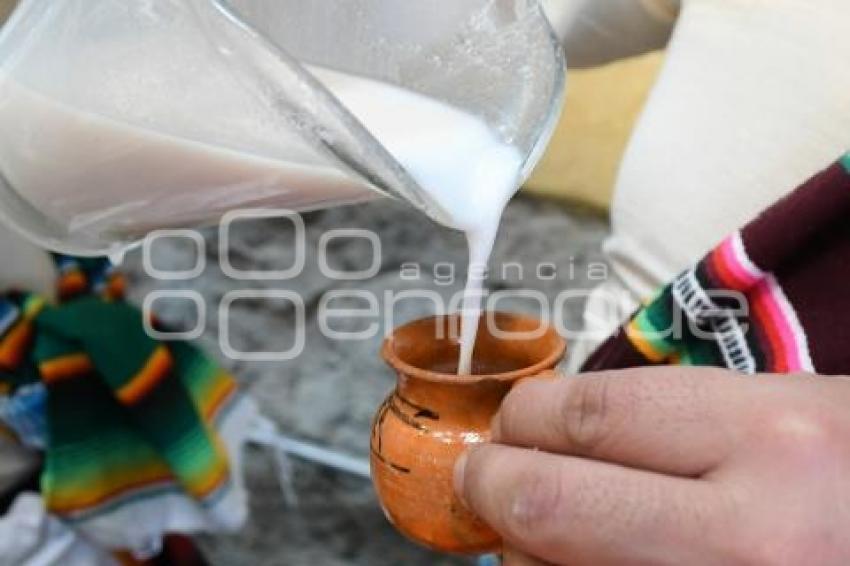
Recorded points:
(124, 116)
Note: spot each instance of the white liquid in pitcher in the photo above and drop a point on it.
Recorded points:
(94, 173)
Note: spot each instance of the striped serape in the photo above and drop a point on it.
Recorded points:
(771, 297)
(141, 438)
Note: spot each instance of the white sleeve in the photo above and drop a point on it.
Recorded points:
(598, 31)
(752, 101)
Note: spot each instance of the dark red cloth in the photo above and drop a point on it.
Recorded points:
(772, 297)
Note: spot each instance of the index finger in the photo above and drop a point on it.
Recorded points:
(680, 421)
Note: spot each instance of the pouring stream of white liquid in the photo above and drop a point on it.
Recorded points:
(116, 175)
(453, 156)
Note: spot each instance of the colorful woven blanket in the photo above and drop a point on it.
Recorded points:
(771, 297)
(138, 435)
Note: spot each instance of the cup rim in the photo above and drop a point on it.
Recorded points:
(549, 362)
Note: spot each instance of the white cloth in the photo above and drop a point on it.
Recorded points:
(31, 537)
(751, 102)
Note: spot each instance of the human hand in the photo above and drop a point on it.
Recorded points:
(667, 466)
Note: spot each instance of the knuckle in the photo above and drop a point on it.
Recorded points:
(801, 431)
(585, 412)
(790, 549)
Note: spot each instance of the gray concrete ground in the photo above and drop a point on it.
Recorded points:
(328, 394)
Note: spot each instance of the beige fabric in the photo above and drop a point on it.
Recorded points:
(602, 102)
(600, 111)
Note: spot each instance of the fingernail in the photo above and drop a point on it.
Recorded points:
(460, 474)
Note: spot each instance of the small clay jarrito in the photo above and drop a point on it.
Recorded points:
(434, 415)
